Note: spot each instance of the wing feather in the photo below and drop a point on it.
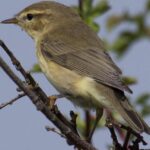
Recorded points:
(84, 57)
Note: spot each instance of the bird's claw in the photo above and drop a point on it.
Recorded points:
(52, 100)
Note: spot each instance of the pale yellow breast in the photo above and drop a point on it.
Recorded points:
(60, 77)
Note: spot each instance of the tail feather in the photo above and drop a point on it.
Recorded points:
(135, 120)
(129, 114)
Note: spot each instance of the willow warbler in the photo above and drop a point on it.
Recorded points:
(74, 60)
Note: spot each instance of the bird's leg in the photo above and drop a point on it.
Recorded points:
(99, 113)
(52, 99)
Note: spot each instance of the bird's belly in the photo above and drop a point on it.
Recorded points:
(82, 90)
(63, 79)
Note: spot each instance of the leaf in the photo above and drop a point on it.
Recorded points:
(100, 8)
(95, 26)
(129, 80)
(84, 8)
(114, 21)
(146, 110)
(143, 99)
(148, 5)
(87, 6)
(143, 102)
(36, 69)
(125, 39)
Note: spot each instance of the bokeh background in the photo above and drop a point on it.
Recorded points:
(22, 126)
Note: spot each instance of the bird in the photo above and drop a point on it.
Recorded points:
(75, 61)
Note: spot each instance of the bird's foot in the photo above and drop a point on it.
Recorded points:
(52, 100)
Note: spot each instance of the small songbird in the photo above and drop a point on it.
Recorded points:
(75, 62)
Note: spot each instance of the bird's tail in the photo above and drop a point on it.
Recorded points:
(129, 114)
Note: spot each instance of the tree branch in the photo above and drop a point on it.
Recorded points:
(32, 84)
(116, 144)
(81, 8)
(126, 144)
(38, 100)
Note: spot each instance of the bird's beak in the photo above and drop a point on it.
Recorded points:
(10, 21)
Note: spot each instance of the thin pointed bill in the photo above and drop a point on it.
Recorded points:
(10, 21)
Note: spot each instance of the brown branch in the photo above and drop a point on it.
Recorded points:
(138, 136)
(127, 138)
(74, 121)
(38, 101)
(32, 84)
(12, 101)
(81, 8)
(116, 144)
(135, 144)
(88, 124)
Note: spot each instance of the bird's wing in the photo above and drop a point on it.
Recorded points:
(86, 61)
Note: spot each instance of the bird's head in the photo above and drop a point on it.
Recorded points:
(40, 17)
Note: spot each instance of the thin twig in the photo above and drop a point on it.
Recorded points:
(130, 132)
(74, 121)
(12, 101)
(88, 124)
(81, 8)
(128, 129)
(109, 124)
(64, 120)
(125, 145)
(48, 128)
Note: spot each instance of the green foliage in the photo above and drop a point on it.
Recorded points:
(143, 101)
(82, 123)
(100, 8)
(129, 80)
(122, 43)
(35, 69)
(89, 12)
(126, 38)
(148, 5)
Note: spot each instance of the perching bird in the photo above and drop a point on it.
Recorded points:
(75, 62)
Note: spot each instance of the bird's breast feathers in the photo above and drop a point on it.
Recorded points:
(83, 89)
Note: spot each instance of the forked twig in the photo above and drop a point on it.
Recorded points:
(135, 144)
(12, 101)
(138, 136)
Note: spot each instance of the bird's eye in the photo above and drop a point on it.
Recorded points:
(29, 17)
